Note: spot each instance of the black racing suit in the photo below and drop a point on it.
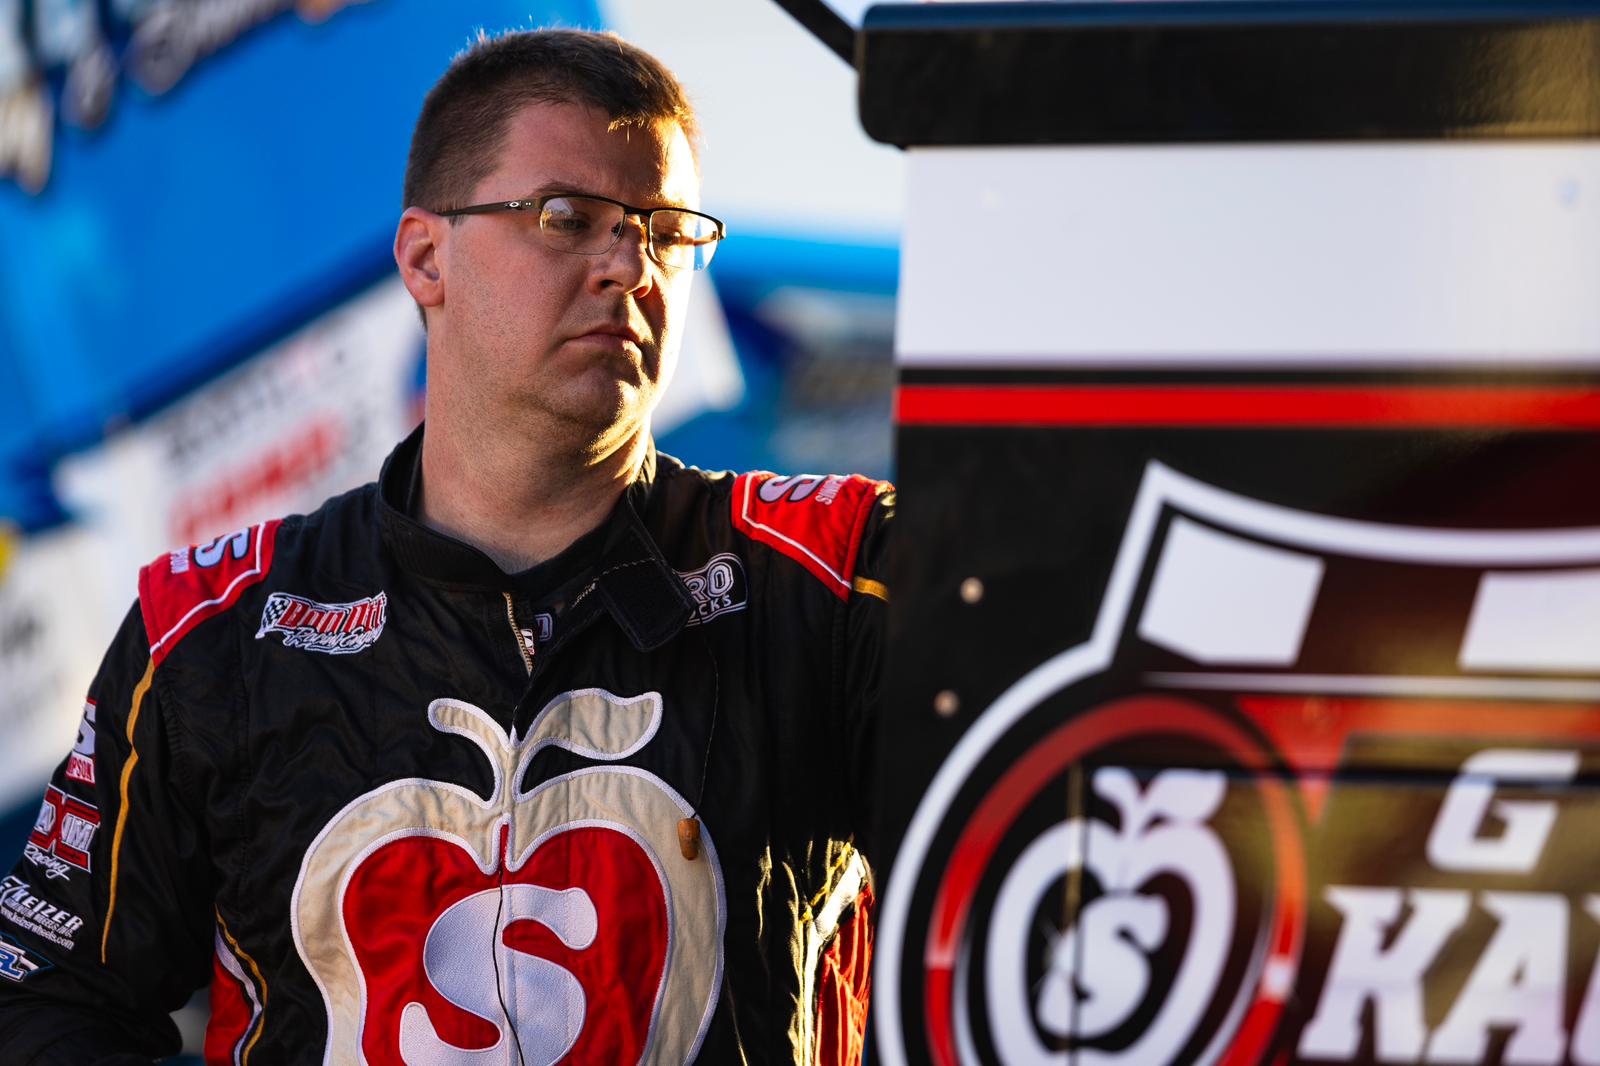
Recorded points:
(380, 794)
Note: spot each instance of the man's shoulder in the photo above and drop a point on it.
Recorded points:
(817, 521)
(183, 588)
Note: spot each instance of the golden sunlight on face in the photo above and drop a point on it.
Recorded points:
(541, 337)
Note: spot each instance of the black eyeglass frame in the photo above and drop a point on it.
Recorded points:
(644, 214)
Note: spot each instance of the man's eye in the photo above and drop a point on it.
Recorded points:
(566, 224)
(675, 230)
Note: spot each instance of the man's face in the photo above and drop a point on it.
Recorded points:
(544, 340)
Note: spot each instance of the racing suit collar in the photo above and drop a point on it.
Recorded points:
(630, 577)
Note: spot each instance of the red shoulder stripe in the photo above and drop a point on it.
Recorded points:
(814, 519)
(179, 591)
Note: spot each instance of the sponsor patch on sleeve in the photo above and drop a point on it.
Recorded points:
(62, 834)
(182, 589)
(814, 519)
(80, 763)
(17, 963)
(22, 907)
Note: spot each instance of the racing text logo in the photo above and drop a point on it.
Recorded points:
(334, 628)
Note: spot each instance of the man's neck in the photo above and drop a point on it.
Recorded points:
(518, 503)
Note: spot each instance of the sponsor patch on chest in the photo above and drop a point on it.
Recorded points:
(718, 587)
(334, 628)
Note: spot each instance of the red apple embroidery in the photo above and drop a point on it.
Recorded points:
(446, 929)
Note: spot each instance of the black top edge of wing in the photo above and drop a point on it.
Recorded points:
(998, 74)
(825, 24)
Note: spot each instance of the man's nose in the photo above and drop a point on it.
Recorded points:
(628, 262)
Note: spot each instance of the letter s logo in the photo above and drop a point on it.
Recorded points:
(236, 545)
(1162, 832)
(548, 1004)
(794, 488)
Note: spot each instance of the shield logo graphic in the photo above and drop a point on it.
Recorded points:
(1269, 810)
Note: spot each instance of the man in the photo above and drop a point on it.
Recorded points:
(543, 747)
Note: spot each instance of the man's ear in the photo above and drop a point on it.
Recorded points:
(418, 241)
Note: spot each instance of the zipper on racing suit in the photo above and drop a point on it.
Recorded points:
(523, 637)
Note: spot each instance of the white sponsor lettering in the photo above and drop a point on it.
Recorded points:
(794, 488)
(1457, 841)
(1586, 1033)
(45, 821)
(235, 544)
(52, 866)
(717, 587)
(21, 907)
(16, 963)
(1519, 982)
(1517, 988)
(1390, 978)
(77, 832)
(85, 743)
(80, 763)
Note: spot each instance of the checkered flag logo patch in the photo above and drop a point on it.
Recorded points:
(331, 628)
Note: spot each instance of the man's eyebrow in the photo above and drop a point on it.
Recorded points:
(559, 187)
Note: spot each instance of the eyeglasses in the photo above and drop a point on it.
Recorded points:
(592, 225)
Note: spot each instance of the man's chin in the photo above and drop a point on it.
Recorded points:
(605, 418)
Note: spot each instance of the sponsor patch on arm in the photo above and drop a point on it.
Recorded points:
(180, 590)
(814, 519)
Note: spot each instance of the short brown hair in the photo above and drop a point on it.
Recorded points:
(457, 140)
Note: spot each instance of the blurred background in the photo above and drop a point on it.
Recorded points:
(203, 327)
